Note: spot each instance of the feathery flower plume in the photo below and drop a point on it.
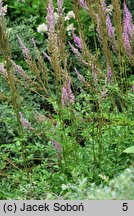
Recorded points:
(83, 4)
(67, 95)
(25, 122)
(77, 40)
(78, 55)
(103, 5)
(75, 50)
(111, 29)
(127, 43)
(50, 16)
(25, 50)
(60, 5)
(64, 96)
(80, 77)
(98, 27)
(128, 22)
(69, 91)
(3, 10)
(128, 32)
(20, 70)
(109, 74)
(57, 146)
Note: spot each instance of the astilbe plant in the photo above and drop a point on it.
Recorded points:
(67, 95)
(101, 85)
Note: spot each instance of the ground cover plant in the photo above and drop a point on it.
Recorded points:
(67, 93)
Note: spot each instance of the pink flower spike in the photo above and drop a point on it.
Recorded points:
(18, 69)
(57, 146)
(128, 23)
(77, 40)
(80, 77)
(25, 122)
(109, 74)
(50, 16)
(69, 91)
(127, 43)
(60, 5)
(3, 10)
(64, 96)
(25, 50)
(111, 29)
(83, 4)
(98, 26)
(103, 5)
(128, 32)
(67, 95)
(75, 50)
(77, 53)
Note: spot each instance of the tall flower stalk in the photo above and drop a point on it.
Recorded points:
(50, 16)
(67, 95)
(77, 40)
(5, 51)
(53, 47)
(11, 79)
(104, 30)
(120, 43)
(128, 31)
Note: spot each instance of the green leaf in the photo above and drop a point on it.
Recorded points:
(129, 149)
